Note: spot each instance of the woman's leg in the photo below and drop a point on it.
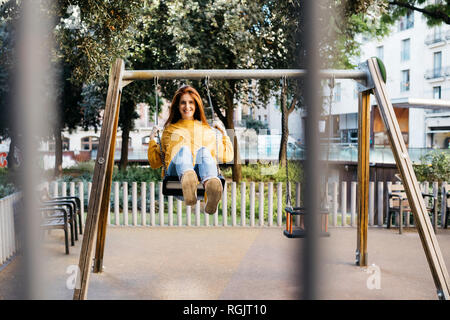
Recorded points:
(180, 163)
(207, 170)
(181, 166)
(205, 165)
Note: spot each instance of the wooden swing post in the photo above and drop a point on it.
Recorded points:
(101, 184)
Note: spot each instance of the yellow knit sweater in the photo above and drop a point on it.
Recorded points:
(193, 134)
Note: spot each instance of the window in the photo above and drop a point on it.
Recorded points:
(65, 144)
(406, 22)
(405, 84)
(437, 64)
(145, 140)
(337, 92)
(89, 143)
(380, 52)
(437, 92)
(119, 143)
(404, 54)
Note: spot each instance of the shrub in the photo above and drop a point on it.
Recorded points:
(434, 166)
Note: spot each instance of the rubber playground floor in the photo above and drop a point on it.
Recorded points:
(237, 264)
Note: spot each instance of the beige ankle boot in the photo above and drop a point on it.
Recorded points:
(189, 182)
(213, 190)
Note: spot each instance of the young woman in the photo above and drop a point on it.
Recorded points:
(189, 147)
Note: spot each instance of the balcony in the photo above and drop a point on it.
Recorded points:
(436, 73)
(435, 39)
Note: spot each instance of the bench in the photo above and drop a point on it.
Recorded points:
(446, 200)
(57, 218)
(398, 204)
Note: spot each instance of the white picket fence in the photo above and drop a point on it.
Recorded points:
(265, 206)
(8, 243)
(143, 207)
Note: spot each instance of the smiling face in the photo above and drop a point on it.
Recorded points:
(187, 107)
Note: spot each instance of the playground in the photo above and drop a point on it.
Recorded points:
(239, 263)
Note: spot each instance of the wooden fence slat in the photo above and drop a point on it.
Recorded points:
(334, 191)
(353, 203)
(55, 189)
(188, 216)
(134, 202)
(2, 232)
(81, 196)
(117, 203)
(152, 204)
(170, 209)
(179, 212)
(225, 205)
(233, 203)
(261, 203)
(197, 214)
(252, 204)
(380, 205)
(144, 203)
(279, 203)
(161, 203)
(371, 202)
(125, 203)
(89, 186)
(243, 205)
(270, 203)
(344, 203)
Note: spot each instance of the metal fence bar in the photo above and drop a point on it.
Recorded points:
(238, 74)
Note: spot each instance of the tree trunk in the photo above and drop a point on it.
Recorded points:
(124, 152)
(13, 163)
(229, 113)
(282, 156)
(58, 152)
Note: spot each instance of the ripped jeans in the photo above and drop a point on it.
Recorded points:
(205, 165)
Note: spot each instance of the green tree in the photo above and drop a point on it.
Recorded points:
(434, 166)
(89, 36)
(435, 13)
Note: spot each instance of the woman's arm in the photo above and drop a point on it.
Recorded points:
(154, 151)
(153, 154)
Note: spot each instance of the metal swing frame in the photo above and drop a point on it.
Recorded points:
(370, 81)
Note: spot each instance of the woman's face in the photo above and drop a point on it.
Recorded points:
(187, 107)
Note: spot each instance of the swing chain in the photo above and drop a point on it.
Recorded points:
(212, 121)
(161, 153)
(288, 184)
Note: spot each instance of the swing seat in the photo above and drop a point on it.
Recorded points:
(172, 187)
(301, 233)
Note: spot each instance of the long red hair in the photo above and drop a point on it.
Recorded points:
(199, 113)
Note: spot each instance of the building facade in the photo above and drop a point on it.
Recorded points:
(418, 66)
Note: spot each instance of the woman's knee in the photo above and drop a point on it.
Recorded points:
(183, 155)
(203, 154)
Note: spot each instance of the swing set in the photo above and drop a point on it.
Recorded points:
(370, 77)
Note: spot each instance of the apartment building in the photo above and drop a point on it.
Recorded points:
(418, 82)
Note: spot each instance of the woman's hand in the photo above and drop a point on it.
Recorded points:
(155, 131)
(219, 126)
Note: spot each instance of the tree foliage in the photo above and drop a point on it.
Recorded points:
(434, 166)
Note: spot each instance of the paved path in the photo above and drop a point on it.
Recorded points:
(237, 263)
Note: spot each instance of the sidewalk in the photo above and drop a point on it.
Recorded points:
(238, 263)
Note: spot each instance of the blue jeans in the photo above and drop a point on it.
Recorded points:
(205, 166)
